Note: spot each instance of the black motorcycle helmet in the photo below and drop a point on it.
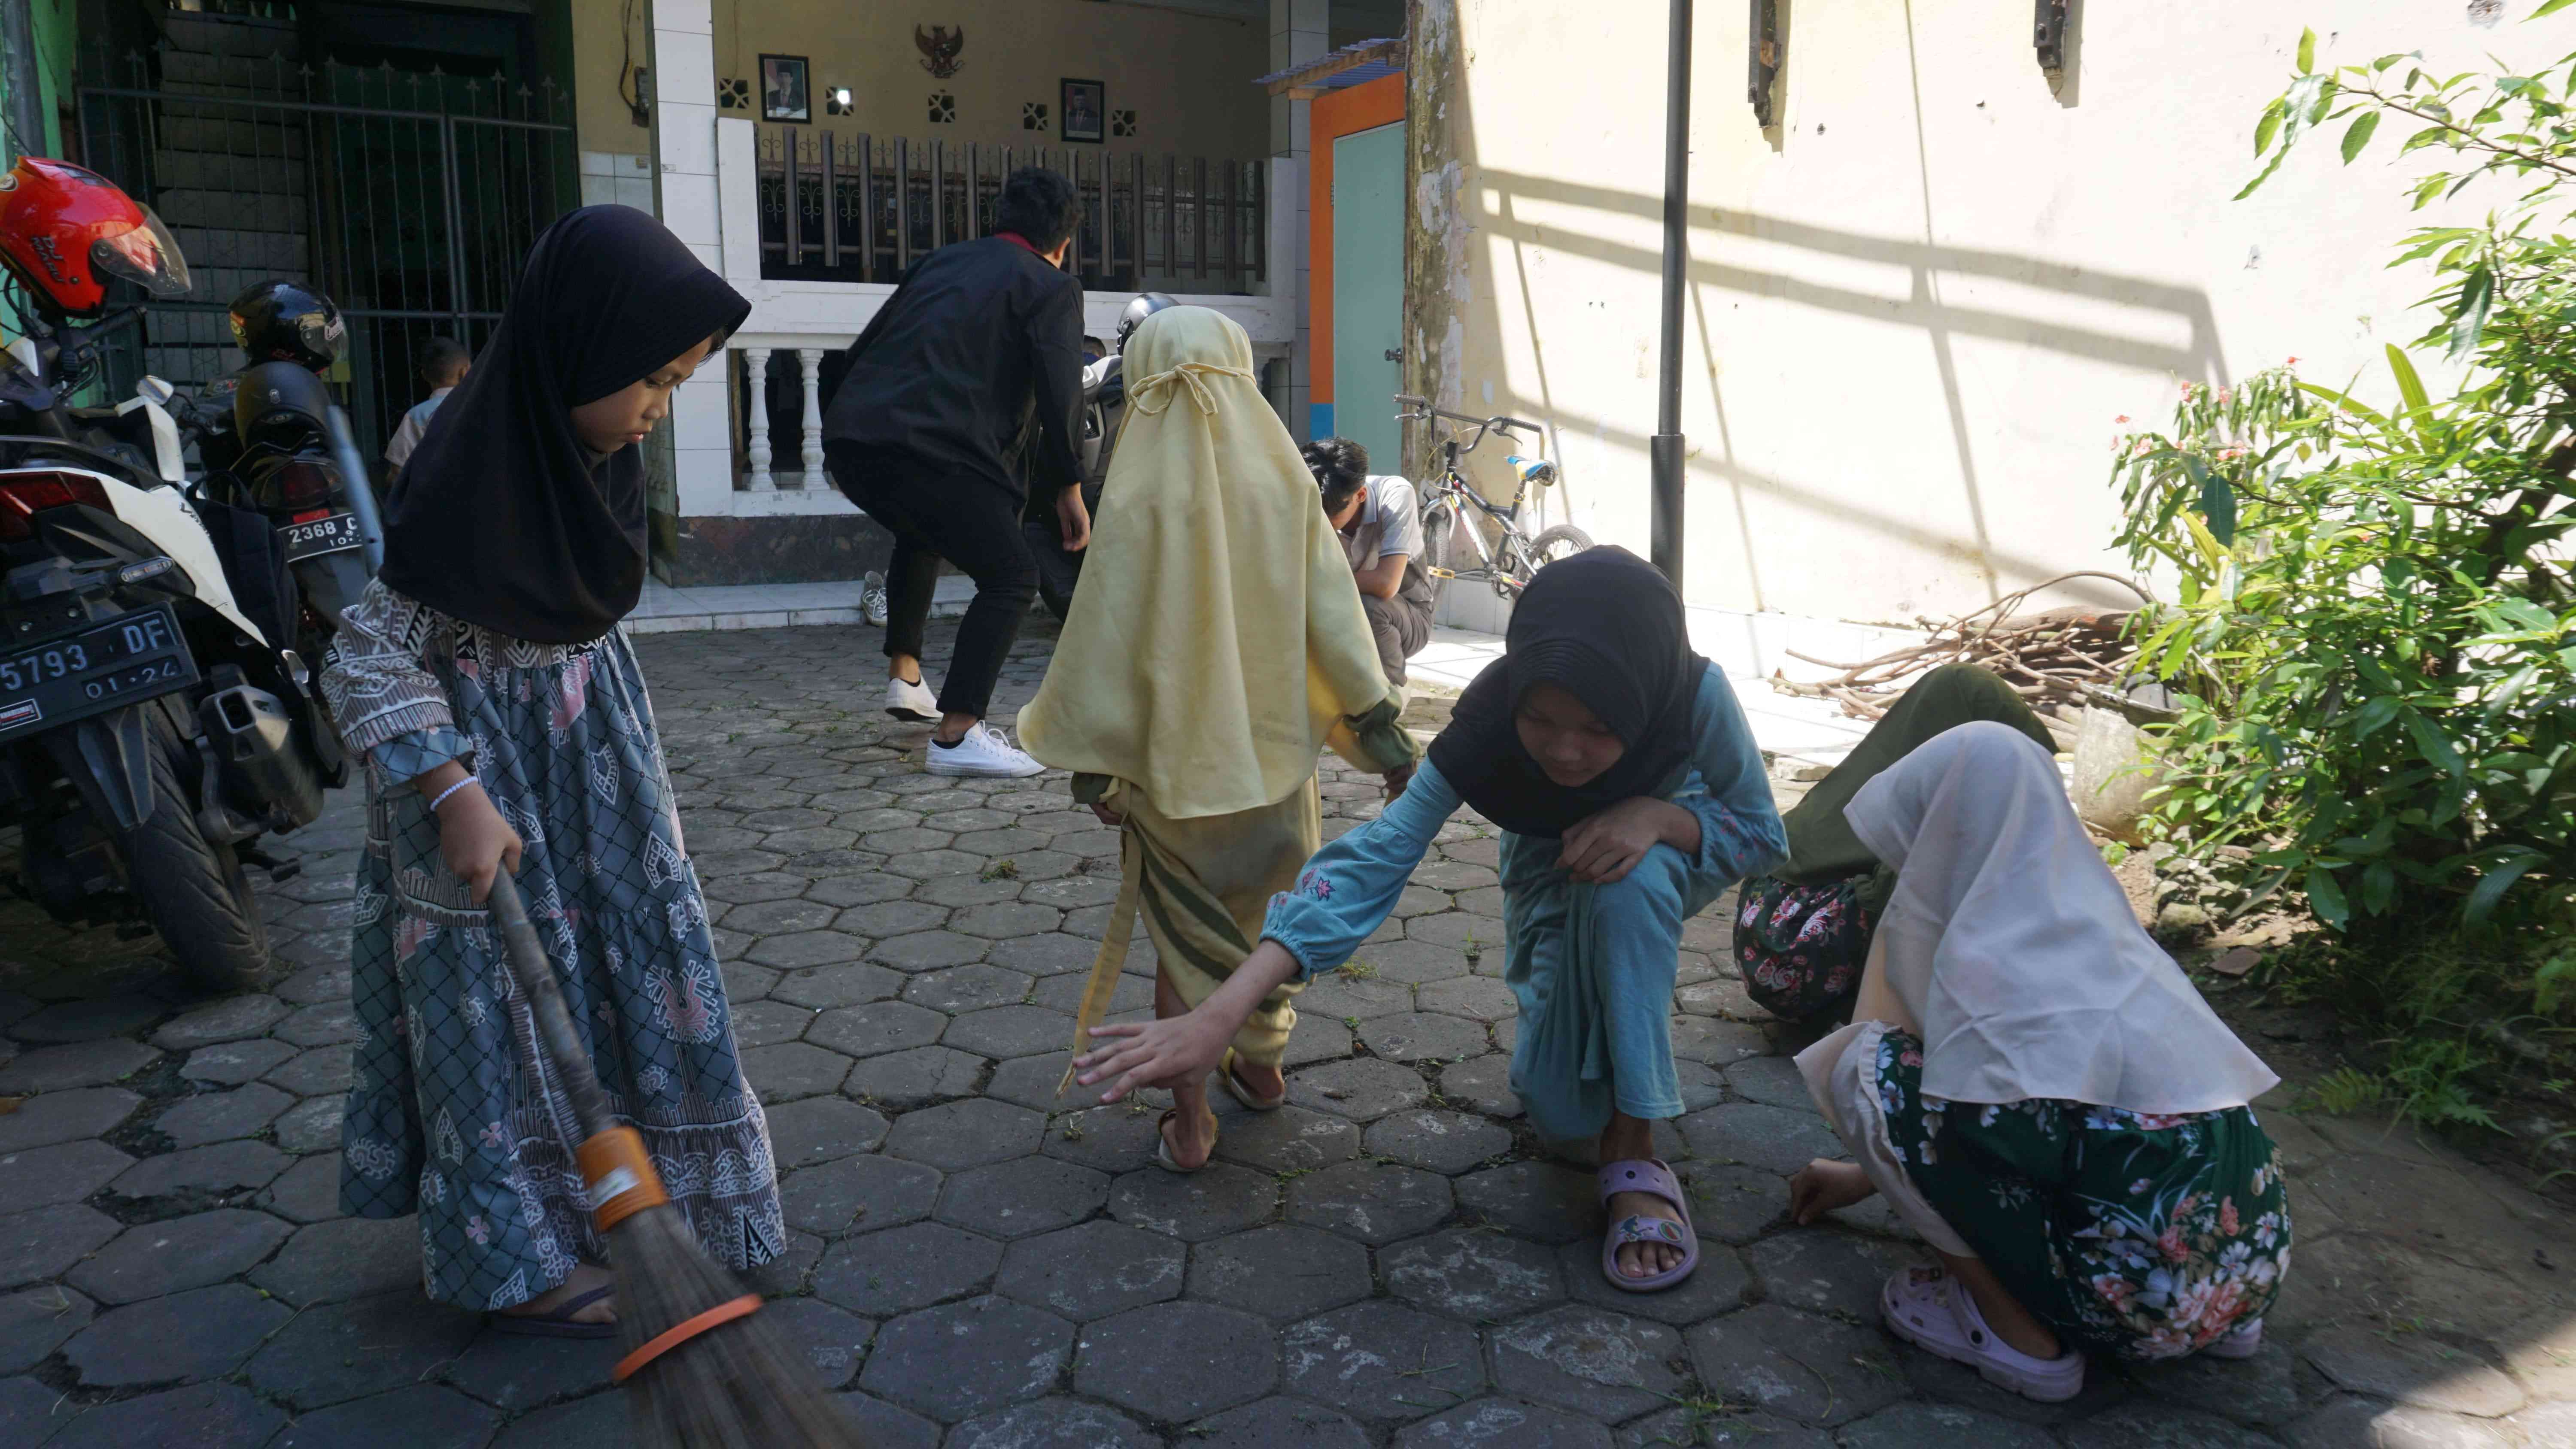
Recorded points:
(284, 322)
(1145, 305)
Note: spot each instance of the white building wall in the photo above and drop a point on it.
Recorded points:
(1919, 305)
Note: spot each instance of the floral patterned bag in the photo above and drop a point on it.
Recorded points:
(1801, 947)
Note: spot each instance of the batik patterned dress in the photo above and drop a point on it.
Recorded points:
(453, 1111)
(2135, 1236)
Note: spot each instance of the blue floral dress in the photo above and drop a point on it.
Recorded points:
(453, 1111)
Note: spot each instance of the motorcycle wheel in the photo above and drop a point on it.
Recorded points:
(1439, 548)
(194, 892)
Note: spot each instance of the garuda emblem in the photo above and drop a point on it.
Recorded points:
(939, 47)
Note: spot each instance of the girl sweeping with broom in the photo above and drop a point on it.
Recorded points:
(1216, 647)
(505, 727)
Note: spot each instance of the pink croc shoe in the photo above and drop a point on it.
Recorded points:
(1932, 1311)
(1646, 1175)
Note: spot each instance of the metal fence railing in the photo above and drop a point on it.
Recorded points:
(862, 208)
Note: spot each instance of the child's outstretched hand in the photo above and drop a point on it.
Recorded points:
(1153, 1053)
(475, 842)
(1822, 1186)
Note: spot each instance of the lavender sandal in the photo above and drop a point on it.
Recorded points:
(1933, 1311)
(1646, 1175)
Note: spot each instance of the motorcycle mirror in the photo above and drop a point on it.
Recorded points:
(155, 391)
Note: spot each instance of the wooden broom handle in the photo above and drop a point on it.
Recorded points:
(536, 978)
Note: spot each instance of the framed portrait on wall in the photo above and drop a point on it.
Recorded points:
(783, 93)
(1086, 110)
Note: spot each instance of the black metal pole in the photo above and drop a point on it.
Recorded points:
(1665, 453)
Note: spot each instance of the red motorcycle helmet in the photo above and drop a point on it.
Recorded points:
(64, 232)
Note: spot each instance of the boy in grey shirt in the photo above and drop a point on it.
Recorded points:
(1380, 522)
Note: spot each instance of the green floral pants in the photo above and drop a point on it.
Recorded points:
(2135, 1236)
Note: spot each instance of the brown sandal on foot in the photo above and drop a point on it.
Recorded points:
(1163, 1145)
(1235, 1088)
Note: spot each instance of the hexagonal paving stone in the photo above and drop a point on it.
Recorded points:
(965, 1134)
(1796, 1365)
(1442, 1142)
(1031, 1082)
(1346, 997)
(1011, 1031)
(955, 1362)
(1092, 1271)
(1417, 961)
(901, 1081)
(821, 1129)
(1290, 1139)
(80, 1064)
(89, 1020)
(35, 1321)
(1506, 1421)
(349, 1350)
(183, 1253)
(223, 1167)
(2156, 1426)
(1381, 1361)
(341, 1259)
(1022, 1197)
(202, 1334)
(1218, 1199)
(1052, 954)
(1277, 1424)
(957, 892)
(832, 1340)
(1828, 1272)
(222, 1116)
(1477, 998)
(1007, 922)
(1945, 1426)
(308, 1192)
(1372, 1202)
(768, 1023)
(231, 1019)
(1112, 1139)
(1362, 1090)
(1281, 1272)
(905, 1268)
(825, 987)
(1590, 1361)
(312, 1125)
(1732, 1204)
(790, 1070)
(1545, 1202)
(1730, 1430)
(857, 890)
(314, 1073)
(513, 1371)
(1718, 1043)
(1424, 1037)
(325, 1023)
(1132, 993)
(807, 949)
(879, 1026)
(423, 1416)
(1317, 1040)
(1052, 1424)
(234, 1062)
(63, 1173)
(1775, 1139)
(1174, 1361)
(1484, 1084)
(966, 988)
(1474, 1275)
(858, 1192)
(930, 950)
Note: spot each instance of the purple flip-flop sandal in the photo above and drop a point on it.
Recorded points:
(1646, 1175)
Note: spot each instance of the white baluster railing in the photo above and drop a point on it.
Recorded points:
(755, 381)
(812, 360)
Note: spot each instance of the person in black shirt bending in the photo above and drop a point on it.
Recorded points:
(969, 374)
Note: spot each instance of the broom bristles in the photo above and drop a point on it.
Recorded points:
(739, 1385)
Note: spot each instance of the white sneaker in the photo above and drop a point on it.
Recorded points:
(872, 598)
(906, 699)
(985, 751)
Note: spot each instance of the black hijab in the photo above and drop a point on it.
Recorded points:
(502, 517)
(1605, 627)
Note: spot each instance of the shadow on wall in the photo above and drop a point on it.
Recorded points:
(2197, 358)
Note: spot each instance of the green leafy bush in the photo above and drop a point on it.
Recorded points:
(2373, 640)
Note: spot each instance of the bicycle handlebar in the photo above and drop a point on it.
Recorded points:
(1423, 411)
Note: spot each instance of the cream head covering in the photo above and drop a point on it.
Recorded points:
(2010, 942)
(1217, 640)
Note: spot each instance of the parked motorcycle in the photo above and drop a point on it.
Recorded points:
(155, 716)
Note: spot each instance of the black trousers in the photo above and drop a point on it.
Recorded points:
(975, 526)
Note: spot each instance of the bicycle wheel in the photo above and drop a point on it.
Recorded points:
(1563, 541)
(1439, 547)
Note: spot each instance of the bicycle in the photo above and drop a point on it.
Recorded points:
(1508, 565)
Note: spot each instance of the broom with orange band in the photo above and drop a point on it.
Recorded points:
(707, 1371)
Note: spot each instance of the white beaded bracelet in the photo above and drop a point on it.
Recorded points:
(450, 790)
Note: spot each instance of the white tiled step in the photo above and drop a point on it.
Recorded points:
(666, 610)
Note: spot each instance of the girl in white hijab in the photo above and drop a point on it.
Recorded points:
(2040, 1092)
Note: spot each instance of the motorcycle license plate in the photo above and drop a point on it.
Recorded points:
(97, 669)
(321, 536)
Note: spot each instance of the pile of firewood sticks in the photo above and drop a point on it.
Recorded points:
(2058, 659)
